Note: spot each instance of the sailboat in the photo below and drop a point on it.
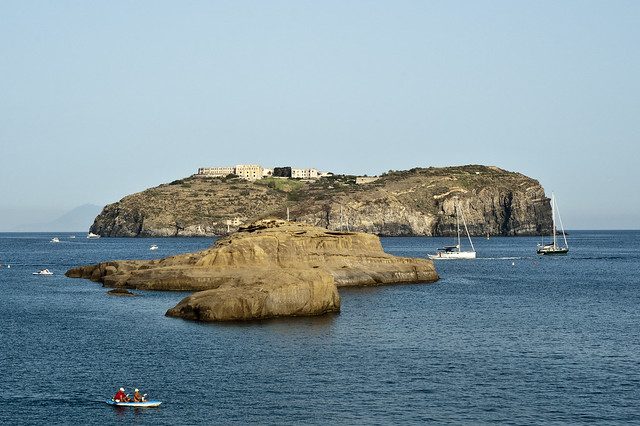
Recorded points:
(554, 247)
(454, 252)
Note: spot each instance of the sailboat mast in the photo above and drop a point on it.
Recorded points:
(566, 244)
(553, 218)
(464, 222)
(457, 226)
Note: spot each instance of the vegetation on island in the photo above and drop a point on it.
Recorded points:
(400, 202)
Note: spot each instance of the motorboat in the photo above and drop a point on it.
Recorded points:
(91, 235)
(454, 252)
(153, 247)
(554, 248)
(72, 237)
(43, 272)
(55, 240)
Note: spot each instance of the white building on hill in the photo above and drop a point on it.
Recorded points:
(249, 171)
(255, 172)
(305, 173)
(216, 171)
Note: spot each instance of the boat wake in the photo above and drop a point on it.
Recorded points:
(503, 258)
(600, 257)
(53, 399)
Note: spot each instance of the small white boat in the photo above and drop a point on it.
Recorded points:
(153, 247)
(43, 272)
(72, 237)
(91, 235)
(134, 404)
(454, 252)
(55, 240)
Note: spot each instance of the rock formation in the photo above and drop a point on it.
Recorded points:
(269, 269)
(263, 294)
(414, 202)
(120, 292)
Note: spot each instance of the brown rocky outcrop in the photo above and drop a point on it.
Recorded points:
(413, 202)
(120, 292)
(269, 269)
(271, 293)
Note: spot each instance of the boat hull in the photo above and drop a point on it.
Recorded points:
(553, 252)
(453, 255)
(134, 404)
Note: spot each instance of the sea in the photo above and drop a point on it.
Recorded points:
(509, 338)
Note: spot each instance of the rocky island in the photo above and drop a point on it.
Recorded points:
(415, 202)
(271, 268)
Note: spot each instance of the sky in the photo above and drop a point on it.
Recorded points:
(102, 99)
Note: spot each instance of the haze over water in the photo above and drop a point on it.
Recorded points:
(509, 337)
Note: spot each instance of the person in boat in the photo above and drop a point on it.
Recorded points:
(120, 396)
(137, 396)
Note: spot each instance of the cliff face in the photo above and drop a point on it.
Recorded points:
(414, 202)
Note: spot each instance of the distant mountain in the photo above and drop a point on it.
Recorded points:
(78, 219)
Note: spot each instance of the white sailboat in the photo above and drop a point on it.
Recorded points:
(554, 247)
(455, 252)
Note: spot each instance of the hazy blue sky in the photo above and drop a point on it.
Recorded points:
(102, 99)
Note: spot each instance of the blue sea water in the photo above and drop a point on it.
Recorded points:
(508, 338)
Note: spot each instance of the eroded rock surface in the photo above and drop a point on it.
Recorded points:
(269, 269)
(284, 292)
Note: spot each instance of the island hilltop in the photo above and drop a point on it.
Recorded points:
(271, 268)
(420, 201)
